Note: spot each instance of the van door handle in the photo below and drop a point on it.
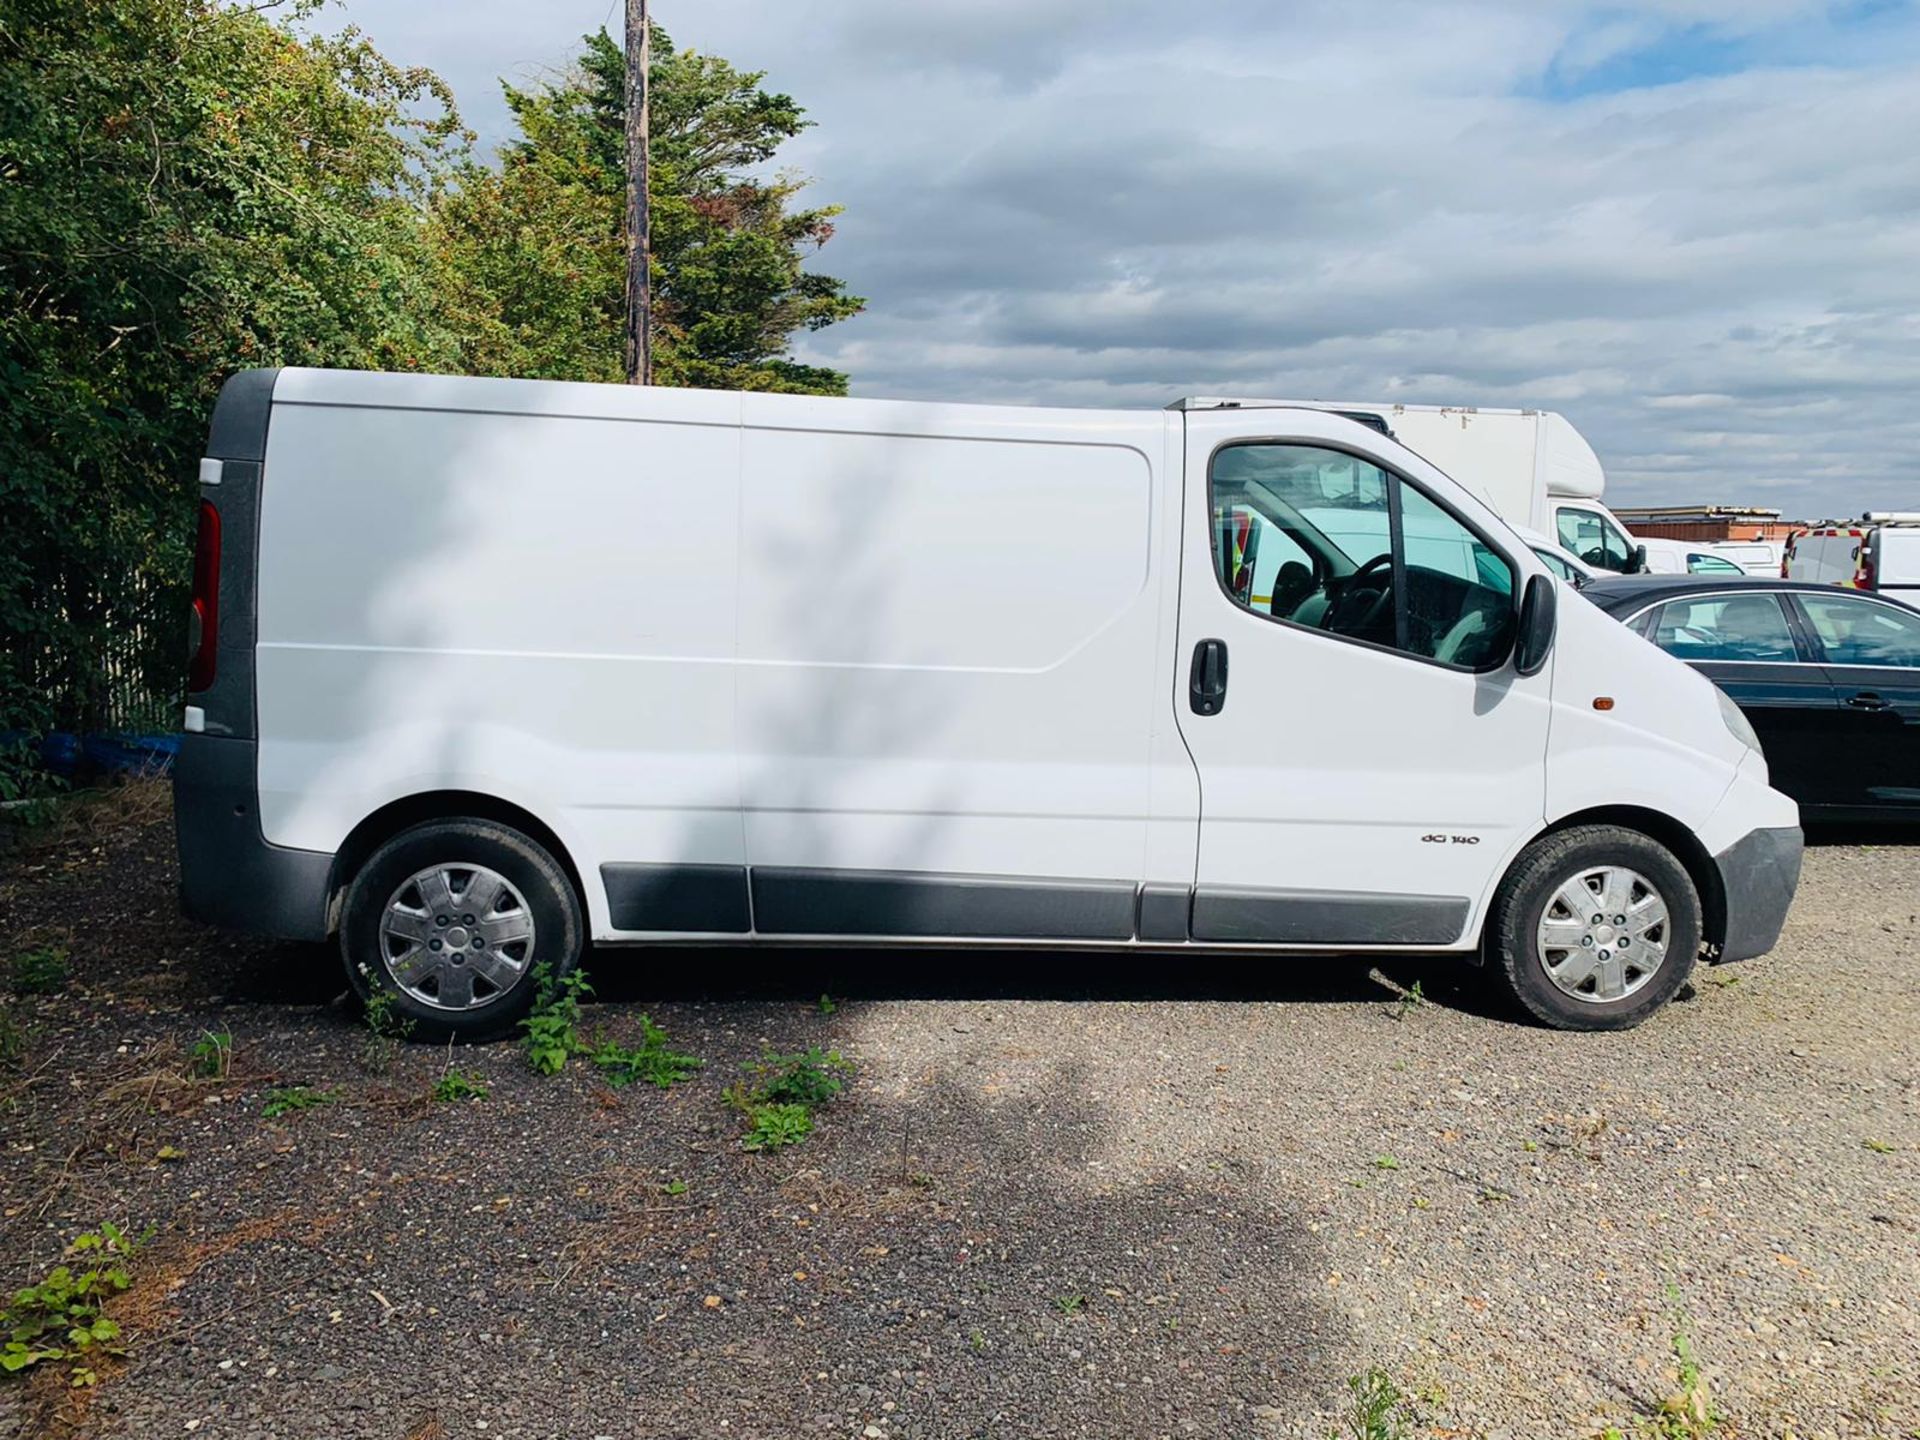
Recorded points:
(1866, 700)
(1207, 681)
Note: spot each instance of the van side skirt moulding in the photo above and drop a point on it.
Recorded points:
(887, 902)
(801, 901)
(693, 898)
(1326, 917)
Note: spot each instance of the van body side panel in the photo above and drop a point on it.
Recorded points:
(538, 607)
(949, 645)
(1896, 561)
(1659, 744)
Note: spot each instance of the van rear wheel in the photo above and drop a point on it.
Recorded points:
(1594, 928)
(450, 920)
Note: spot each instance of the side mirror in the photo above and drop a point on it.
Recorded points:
(1639, 565)
(1539, 605)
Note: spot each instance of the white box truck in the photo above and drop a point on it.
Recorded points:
(487, 668)
(1531, 466)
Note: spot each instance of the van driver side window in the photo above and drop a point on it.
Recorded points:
(1324, 540)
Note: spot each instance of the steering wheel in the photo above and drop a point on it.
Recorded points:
(1337, 618)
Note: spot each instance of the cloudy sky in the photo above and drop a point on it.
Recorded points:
(1693, 226)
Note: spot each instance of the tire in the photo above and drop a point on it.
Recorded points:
(456, 962)
(1550, 959)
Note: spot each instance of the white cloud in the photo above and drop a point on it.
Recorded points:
(1115, 203)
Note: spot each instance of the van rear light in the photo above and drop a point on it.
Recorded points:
(1863, 577)
(204, 637)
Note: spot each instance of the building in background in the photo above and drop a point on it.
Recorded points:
(1708, 522)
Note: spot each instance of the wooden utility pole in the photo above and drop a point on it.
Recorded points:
(639, 236)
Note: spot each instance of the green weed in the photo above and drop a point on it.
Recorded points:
(1376, 1408)
(553, 1025)
(1069, 1304)
(1880, 1147)
(674, 1187)
(383, 1018)
(812, 1077)
(292, 1099)
(782, 1093)
(211, 1057)
(39, 971)
(386, 1026)
(774, 1127)
(1385, 1162)
(827, 1007)
(1687, 1414)
(652, 1062)
(1411, 999)
(457, 1085)
(63, 1317)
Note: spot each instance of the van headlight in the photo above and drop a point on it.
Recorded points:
(1736, 720)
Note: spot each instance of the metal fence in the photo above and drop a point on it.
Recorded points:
(118, 664)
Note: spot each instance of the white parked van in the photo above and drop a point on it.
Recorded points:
(1685, 557)
(1880, 552)
(489, 667)
(1754, 557)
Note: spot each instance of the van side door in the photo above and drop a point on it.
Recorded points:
(951, 637)
(1368, 757)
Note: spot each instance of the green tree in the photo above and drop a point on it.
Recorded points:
(186, 188)
(533, 250)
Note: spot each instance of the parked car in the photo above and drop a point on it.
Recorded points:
(1682, 557)
(1575, 572)
(1829, 678)
(489, 668)
(1756, 557)
(1878, 552)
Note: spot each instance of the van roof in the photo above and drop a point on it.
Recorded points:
(1375, 407)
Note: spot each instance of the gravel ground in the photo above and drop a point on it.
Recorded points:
(1258, 1178)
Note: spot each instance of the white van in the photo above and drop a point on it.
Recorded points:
(1564, 566)
(487, 668)
(1879, 552)
(1754, 557)
(1685, 557)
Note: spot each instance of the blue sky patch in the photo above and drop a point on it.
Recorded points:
(1633, 50)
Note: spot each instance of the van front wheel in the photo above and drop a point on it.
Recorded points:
(1594, 928)
(449, 921)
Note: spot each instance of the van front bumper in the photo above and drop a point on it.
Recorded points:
(229, 875)
(1758, 873)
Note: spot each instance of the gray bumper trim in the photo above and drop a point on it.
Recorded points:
(229, 875)
(1758, 873)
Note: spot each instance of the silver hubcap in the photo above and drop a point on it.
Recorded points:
(456, 936)
(1604, 934)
